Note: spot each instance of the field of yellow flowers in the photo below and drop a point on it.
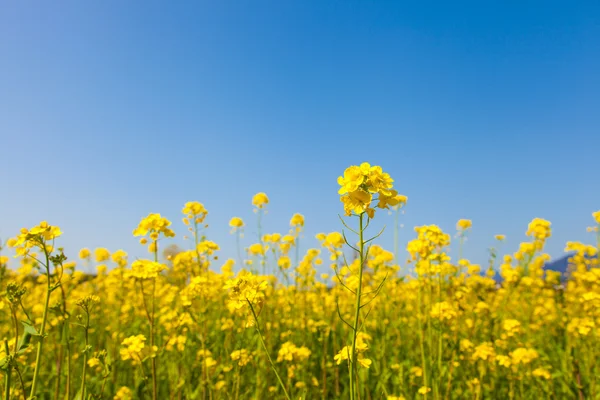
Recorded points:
(172, 327)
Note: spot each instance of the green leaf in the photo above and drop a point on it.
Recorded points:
(4, 364)
(28, 333)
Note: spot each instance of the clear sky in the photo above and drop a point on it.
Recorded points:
(110, 110)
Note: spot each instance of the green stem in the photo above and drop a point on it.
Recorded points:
(40, 346)
(262, 341)
(85, 353)
(8, 373)
(354, 367)
(440, 337)
(421, 337)
(152, 334)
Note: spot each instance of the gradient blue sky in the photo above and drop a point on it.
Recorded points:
(110, 110)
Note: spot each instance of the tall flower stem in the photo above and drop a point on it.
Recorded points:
(85, 353)
(421, 337)
(264, 346)
(353, 357)
(42, 333)
(152, 327)
(8, 373)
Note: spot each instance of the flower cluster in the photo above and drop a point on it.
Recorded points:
(360, 183)
(540, 230)
(134, 348)
(146, 269)
(37, 236)
(290, 352)
(194, 213)
(361, 347)
(154, 225)
(260, 200)
(245, 289)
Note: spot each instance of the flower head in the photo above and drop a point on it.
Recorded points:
(260, 200)
(359, 184)
(245, 289)
(154, 225)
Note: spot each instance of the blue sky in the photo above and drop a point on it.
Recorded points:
(110, 110)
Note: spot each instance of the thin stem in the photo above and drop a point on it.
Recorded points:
(7, 376)
(38, 356)
(357, 307)
(262, 341)
(152, 333)
(85, 353)
(20, 380)
(421, 336)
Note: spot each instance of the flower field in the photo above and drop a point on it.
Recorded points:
(267, 324)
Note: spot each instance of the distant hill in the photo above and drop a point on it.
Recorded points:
(559, 265)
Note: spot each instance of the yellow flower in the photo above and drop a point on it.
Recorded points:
(361, 348)
(220, 385)
(207, 247)
(119, 257)
(258, 249)
(357, 201)
(540, 229)
(485, 352)
(542, 373)
(290, 352)
(596, 216)
(236, 223)
(511, 326)
(503, 361)
(37, 236)
(284, 262)
(194, 211)
(84, 254)
(101, 254)
(463, 224)
(146, 269)
(242, 357)
(523, 355)
(352, 179)
(124, 393)
(443, 311)
(245, 289)
(500, 237)
(134, 349)
(581, 326)
(154, 224)
(334, 239)
(360, 183)
(402, 200)
(260, 200)
(93, 362)
(297, 220)
(424, 390)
